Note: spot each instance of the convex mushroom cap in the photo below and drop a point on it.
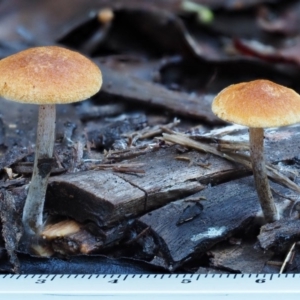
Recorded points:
(259, 103)
(48, 75)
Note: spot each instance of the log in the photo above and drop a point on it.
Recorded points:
(107, 197)
(227, 208)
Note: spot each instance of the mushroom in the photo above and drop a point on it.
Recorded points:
(259, 104)
(45, 76)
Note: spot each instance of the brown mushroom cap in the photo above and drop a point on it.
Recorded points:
(48, 75)
(258, 103)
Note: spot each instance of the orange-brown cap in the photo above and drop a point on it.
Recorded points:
(258, 103)
(48, 75)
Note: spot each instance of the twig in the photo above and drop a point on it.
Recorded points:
(191, 162)
(143, 232)
(287, 258)
(124, 168)
(274, 263)
(158, 130)
(282, 196)
(274, 174)
(232, 146)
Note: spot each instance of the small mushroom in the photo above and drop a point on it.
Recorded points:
(259, 104)
(46, 76)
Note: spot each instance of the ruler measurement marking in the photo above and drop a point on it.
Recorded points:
(183, 285)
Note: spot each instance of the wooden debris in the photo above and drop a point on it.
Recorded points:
(293, 266)
(79, 242)
(106, 198)
(122, 168)
(60, 229)
(98, 196)
(156, 95)
(42, 250)
(9, 216)
(244, 258)
(288, 258)
(243, 159)
(190, 212)
(228, 207)
(279, 235)
(158, 129)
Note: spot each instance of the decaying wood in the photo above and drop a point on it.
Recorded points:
(145, 92)
(68, 237)
(93, 196)
(60, 229)
(243, 159)
(243, 258)
(228, 207)
(106, 198)
(10, 226)
(279, 235)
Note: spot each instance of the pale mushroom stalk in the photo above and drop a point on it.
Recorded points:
(34, 205)
(264, 193)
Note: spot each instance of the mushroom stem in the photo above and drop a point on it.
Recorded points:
(34, 205)
(266, 200)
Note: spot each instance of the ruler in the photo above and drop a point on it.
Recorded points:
(154, 286)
